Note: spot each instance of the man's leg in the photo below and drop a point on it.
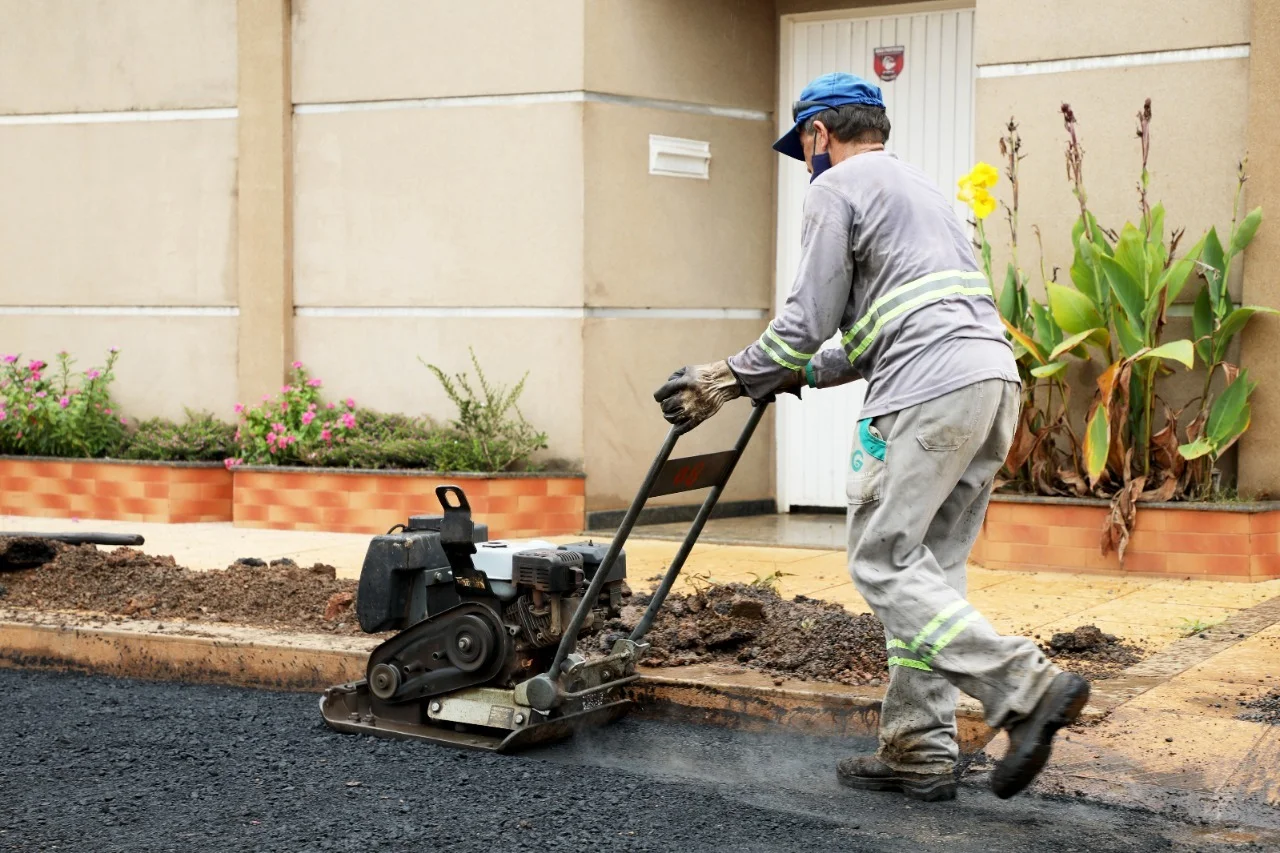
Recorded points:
(918, 715)
(903, 499)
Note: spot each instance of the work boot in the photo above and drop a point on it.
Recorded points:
(1031, 739)
(868, 773)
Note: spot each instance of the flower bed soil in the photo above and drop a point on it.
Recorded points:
(738, 624)
(754, 627)
(128, 583)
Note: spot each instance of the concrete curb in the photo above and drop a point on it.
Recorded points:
(247, 657)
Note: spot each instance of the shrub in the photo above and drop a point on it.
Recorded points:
(63, 414)
(1114, 306)
(381, 441)
(292, 427)
(201, 438)
(490, 434)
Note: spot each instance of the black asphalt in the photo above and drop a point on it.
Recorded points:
(98, 764)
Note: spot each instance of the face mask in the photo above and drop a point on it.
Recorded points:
(821, 162)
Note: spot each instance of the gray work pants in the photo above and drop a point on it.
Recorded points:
(918, 485)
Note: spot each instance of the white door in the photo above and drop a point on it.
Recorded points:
(930, 106)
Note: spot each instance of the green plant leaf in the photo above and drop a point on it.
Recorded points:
(1047, 332)
(1213, 263)
(1196, 449)
(1024, 340)
(1233, 325)
(1072, 343)
(1053, 368)
(1131, 256)
(1083, 270)
(1202, 325)
(1180, 351)
(1008, 301)
(1073, 310)
(1128, 290)
(1245, 230)
(1230, 414)
(1097, 443)
(1157, 224)
(1130, 342)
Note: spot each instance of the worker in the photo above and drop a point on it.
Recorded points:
(886, 263)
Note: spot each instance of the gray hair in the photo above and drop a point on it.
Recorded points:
(853, 123)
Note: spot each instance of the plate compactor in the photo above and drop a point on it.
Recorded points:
(486, 654)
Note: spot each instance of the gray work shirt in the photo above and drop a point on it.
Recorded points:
(884, 261)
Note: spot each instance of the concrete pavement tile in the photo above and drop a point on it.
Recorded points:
(980, 578)
(1135, 746)
(1188, 694)
(1179, 616)
(1209, 593)
(1258, 776)
(1080, 586)
(1255, 661)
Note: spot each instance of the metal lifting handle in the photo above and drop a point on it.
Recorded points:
(700, 520)
(716, 474)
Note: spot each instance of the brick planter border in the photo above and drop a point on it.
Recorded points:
(115, 490)
(1219, 541)
(352, 501)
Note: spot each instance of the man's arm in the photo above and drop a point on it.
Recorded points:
(786, 355)
(829, 368)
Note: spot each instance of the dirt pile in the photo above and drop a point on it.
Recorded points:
(756, 628)
(129, 583)
(1264, 709)
(1089, 652)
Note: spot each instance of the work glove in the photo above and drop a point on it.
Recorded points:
(696, 392)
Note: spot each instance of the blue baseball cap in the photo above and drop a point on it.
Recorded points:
(824, 93)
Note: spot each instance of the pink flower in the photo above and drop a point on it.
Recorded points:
(237, 433)
(266, 397)
(35, 376)
(92, 374)
(114, 349)
(10, 359)
(307, 418)
(232, 463)
(330, 406)
(351, 404)
(64, 402)
(297, 365)
(348, 420)
(326, 435)
(272, 448)
(31, 407)
(4, 416)
(107, 411)
(35, 364)
(239, 408)
(286, 389)
(279, 427)
(271, 438)
(124, 421)
(314, 383)
(283, 405)
(42, 394)
(311, 408)
(19, 435)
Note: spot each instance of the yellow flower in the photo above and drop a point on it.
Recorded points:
(983, 204)
(983, 176)
(973, 189)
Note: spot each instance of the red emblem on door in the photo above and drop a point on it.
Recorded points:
(889, 62)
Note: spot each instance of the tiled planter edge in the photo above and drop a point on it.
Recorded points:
(1218, 541)
(354, 501)
(117, 490)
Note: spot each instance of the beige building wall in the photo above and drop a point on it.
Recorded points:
(459, 184)
(118, 163)
(1259, 454)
